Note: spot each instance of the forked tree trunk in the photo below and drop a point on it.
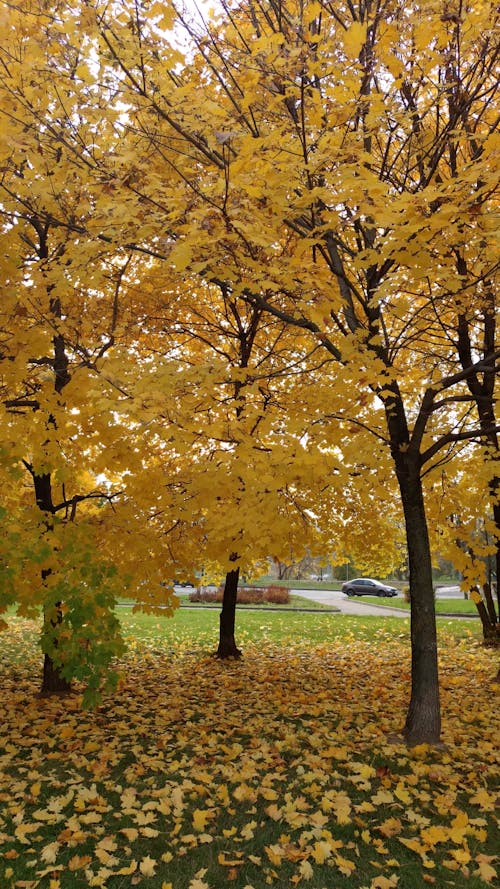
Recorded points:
(423, 721)
(227, 645)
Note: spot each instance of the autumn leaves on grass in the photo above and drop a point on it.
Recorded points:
(272, 771)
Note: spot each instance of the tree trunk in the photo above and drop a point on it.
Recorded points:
(52, 681)
(227, 645)
(496, 515)
(423, 721)
(487, 613)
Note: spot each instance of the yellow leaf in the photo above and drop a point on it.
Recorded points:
(414, 845)
(460, 820)
(344, 865)
(402, 794)
(390, 827)
(201, 817)
(435, 834)
(381, 882)
(147, 866)
(23, 829)
(130, 869)
(130, 832)
(225, 862)
(50, 852)
(484, 868)
(273, 811)
(484, 800)
(354, 39)
(382, 798)
(306, 871)
(79, 861)
(321, 851)
(268, 793)
(274, 853)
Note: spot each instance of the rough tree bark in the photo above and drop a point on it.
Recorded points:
(483, 393)
(52, 681)
(423, 720)
(227, 644)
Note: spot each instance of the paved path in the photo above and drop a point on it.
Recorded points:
(356, 605)
(349, 605)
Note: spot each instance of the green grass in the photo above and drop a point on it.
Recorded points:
(272, 771)
(443, 606)
(300, 584)
(200, 626)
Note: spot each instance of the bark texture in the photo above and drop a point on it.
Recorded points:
(423, 720)
(52, 681)
(227, 644)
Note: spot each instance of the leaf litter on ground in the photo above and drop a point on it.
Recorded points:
(276, 770)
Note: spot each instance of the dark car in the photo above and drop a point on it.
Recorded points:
(364, 586)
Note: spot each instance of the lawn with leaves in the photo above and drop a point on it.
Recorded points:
(277, 770)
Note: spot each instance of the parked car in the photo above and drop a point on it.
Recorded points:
(364, 586)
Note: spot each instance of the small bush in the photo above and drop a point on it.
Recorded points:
(273, 595)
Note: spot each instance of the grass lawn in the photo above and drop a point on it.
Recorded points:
(300, 584)
(296, 603)
(277, 770)
(200, 627)
(443, 606)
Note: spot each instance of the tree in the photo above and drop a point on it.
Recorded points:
(68, 440)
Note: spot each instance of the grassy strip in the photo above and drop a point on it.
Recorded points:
(273, 771)
(200, 627)
(300, 584)
(443, 606)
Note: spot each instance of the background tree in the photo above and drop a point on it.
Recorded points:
(66, 442)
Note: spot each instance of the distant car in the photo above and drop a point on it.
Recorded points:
(364, 586)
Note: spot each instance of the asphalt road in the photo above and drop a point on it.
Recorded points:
(349, 605)
(355, 605)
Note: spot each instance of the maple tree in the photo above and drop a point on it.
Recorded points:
(255, 483)
(74, 534)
